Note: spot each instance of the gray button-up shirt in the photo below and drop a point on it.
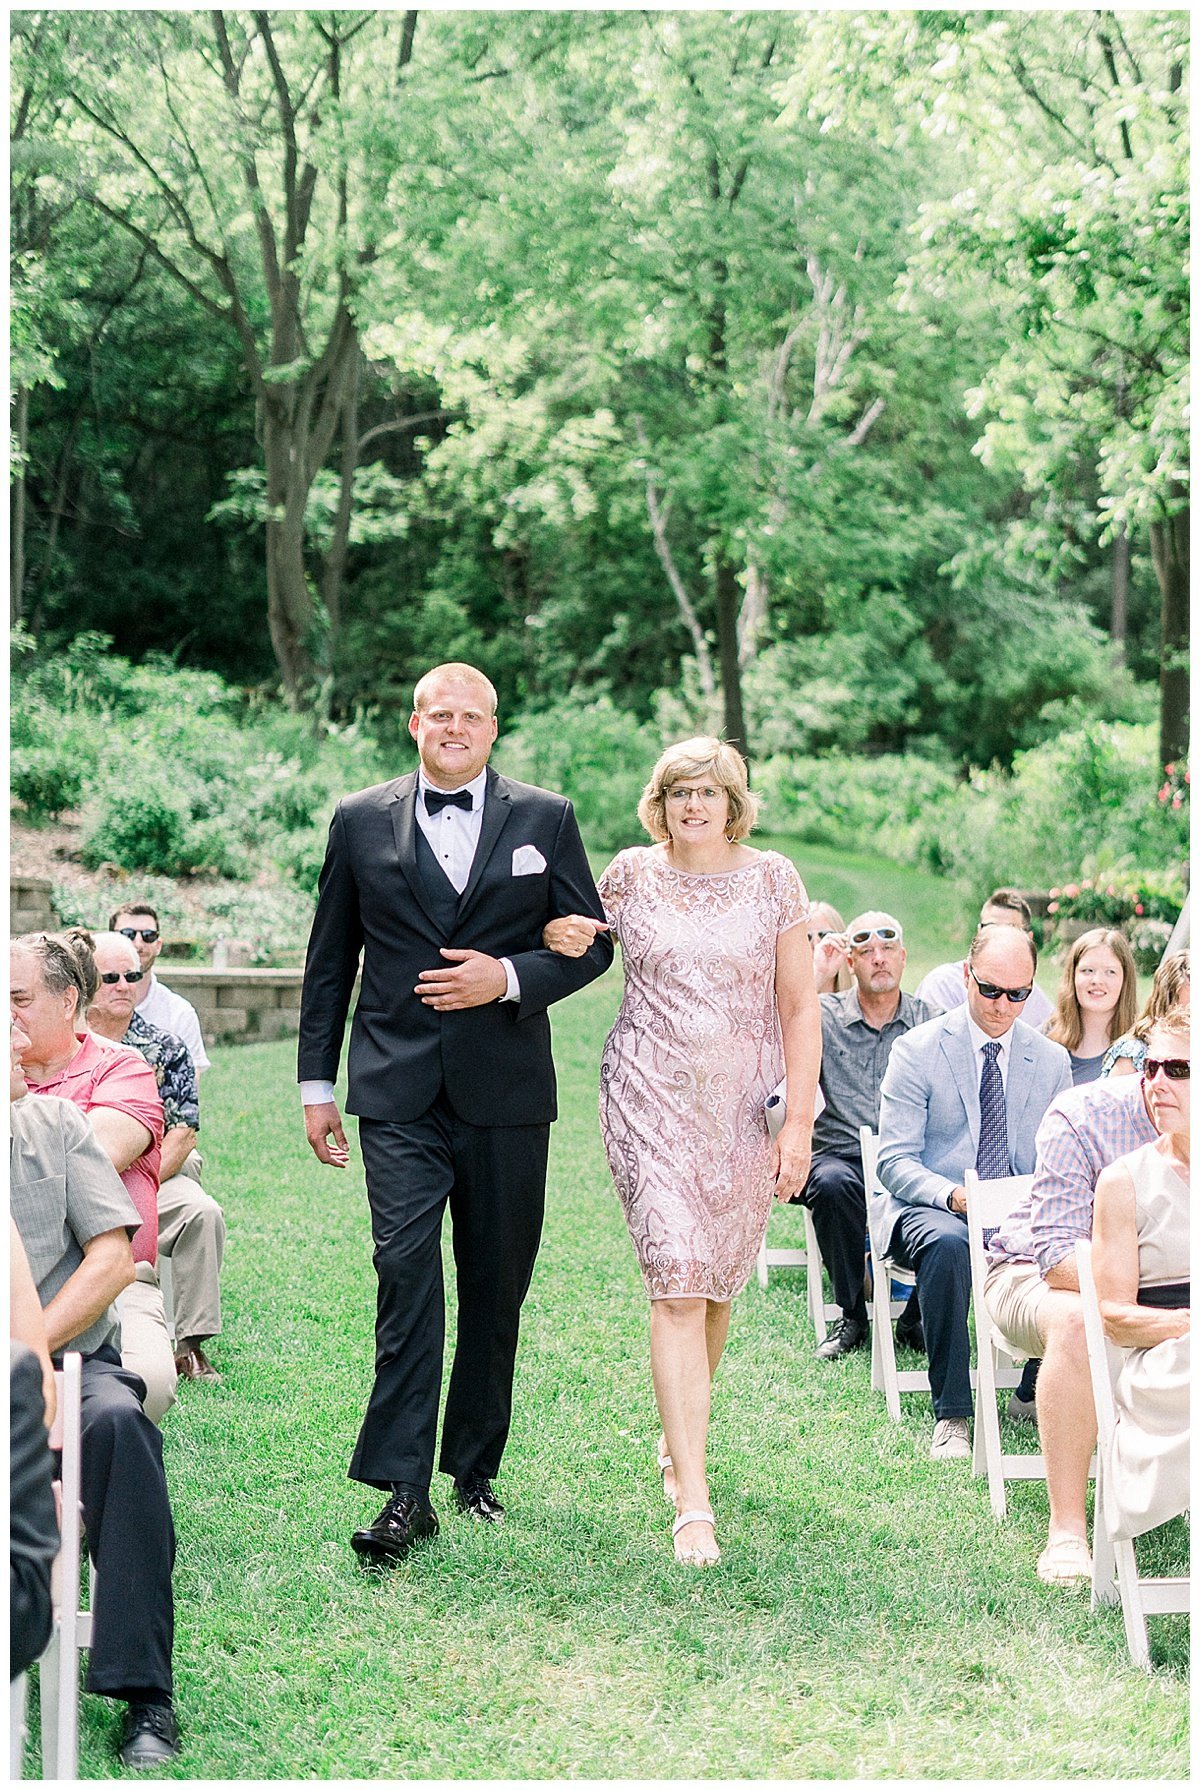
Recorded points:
(853, 1058)
(63, 1192)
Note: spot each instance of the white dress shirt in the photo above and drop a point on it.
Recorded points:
(453, 836)
(160, 1006)
(979, 1038)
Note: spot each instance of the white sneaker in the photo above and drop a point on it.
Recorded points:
(951, 1440)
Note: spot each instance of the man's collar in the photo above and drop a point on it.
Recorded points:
(477, 787)
(979, 1037)
(853, 1013)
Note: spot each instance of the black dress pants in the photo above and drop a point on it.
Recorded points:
(931, 1243)
(494, 1180)
(131, 1537)
(834, 1195)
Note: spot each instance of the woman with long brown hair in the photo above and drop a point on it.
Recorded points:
(1097, 1000)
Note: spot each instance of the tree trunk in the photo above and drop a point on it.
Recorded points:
(17, 600)
(1170, 552)
(728, 596)
(1118, 625)
(291, 613)
(334, 568)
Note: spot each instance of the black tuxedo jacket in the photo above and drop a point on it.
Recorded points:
(493, 1061)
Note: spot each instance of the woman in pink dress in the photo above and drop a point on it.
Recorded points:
(719, 1000)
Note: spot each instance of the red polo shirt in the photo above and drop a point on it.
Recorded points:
(105, 1074)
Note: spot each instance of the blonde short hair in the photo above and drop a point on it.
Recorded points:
(701, 757)
(1172, 976)
(455, 672)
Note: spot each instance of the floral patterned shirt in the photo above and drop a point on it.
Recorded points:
(173, 1070)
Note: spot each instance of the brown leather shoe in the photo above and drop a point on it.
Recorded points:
(193, 1364)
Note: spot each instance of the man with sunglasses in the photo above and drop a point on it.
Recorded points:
(1032, 1290)
(191, 1225)
(858, 1030)
(943, 987)
(967, 1090)
(158, 1005)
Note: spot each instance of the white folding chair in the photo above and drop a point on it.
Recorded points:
(988, 1205)
(885, 1376)
(820, 1310)
(1115, 1577)
(58, 1669)
(166, 1283)
(17, 1725)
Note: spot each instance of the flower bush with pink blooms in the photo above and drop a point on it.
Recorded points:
(1176, 788)
(1119, 898)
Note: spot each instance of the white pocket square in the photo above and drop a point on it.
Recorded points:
(527, 861)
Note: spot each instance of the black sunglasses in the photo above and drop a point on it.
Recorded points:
(1174, 1068)
(990, 992)
(111, 976)
(147, 934)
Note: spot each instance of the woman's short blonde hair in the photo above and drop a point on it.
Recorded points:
(702, 757)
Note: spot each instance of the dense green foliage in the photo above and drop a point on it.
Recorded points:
(820, 374)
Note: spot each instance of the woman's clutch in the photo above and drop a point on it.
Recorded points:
(776, 1108)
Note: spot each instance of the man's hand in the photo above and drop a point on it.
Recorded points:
(572, 934)
(475, 980)
(791, 1159)
(830, 956)
(322, 1123)
(958, 1201)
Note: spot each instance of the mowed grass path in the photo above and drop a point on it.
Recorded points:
(868, 1617)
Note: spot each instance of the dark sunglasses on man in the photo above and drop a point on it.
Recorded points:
(147, 934)
(990, 992)
(111, 976)
(1174, 1068)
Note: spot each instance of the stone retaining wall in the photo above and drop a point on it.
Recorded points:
(238, 1006)
(29, 906)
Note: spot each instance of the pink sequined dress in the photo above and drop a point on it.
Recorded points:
(689, 1063)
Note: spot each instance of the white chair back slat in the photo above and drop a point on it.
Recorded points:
(58, 1669)
(989, 1204)
(885, 1376)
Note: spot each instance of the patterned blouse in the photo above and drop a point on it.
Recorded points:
(173, 1071)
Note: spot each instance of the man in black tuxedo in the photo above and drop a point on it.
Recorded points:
(450, 1074)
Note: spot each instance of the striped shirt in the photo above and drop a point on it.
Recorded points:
(1082, 1132)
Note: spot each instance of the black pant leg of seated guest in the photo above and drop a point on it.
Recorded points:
(496, 1206)
(410, 1172)
(932, 1243)
(834, 1195)
(32, 1519)
(131, 1537)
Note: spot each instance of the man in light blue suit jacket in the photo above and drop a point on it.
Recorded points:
(930, 1134)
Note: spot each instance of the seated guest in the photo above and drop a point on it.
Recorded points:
(1032, 1295)
(52, 981)
(1140, 1239)
(943, 987)
(191, 1225)
(1097, 1000)
(967, 1090)
(157, 1004)
(1172, 987)
(32, 1517)
(858, 1030)
(75, 1220)
(826, 935)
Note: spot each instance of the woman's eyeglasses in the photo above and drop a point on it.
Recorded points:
(111, 976)
(1174, 1068)
(679, 795)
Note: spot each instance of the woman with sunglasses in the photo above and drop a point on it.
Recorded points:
(1172, 987)
(719, 1001)
(1097, 1000)
(1140, 1244)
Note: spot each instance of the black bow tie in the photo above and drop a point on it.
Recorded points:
(437, 799)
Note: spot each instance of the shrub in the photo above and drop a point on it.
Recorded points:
(592, 752)
(852, 803)
(46, 780)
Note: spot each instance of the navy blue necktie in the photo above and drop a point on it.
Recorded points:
(991, 1160)
(437, 799)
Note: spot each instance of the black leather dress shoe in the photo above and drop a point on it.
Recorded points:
(846, 1336)
(909, 1333)
(475, 1498)
(400, 1523)
(149, 1736)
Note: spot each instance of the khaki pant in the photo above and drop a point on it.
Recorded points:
(145, 1345)
(191, 1235)
(1014, 1293)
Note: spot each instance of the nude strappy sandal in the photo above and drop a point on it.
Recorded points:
(696, 1556)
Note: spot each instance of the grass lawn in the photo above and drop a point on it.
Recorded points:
(868, 1617)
